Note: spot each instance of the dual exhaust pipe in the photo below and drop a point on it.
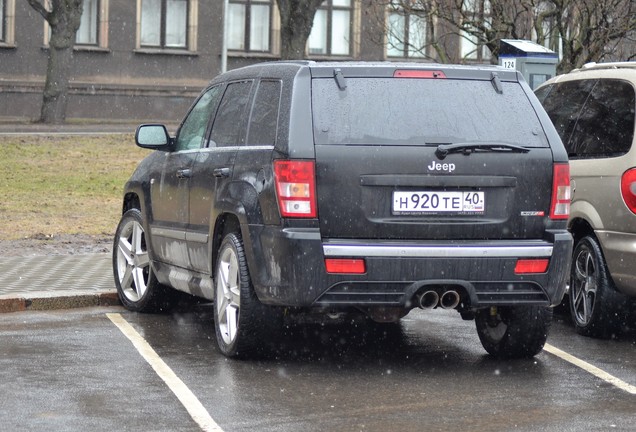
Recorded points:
(431, 299)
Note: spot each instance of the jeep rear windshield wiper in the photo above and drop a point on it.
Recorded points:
(468, 147)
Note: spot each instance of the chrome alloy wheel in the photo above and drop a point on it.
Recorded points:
(228, 295)
(584, 286)
(133, 264)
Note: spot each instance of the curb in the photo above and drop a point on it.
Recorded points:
(39, 301)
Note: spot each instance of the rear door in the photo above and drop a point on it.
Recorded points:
(381, 173)
(213, 170)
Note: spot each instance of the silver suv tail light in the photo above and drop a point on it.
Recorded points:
(628, 188)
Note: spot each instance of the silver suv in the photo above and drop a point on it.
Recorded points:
(593, 110)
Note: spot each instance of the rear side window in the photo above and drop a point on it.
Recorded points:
(605, 127)
(564, 104)
(230, 118)
(392, 111)
(264, 118)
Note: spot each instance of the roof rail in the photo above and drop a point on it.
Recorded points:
(609, 65)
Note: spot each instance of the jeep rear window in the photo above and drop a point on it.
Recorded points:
(391, 111)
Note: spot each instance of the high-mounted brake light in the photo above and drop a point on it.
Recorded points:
(296, 188)
(526, 266)
(628, 188)
(345, 266)
(410, 73)
(560, 205)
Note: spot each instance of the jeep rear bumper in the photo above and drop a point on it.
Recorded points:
(288, 268)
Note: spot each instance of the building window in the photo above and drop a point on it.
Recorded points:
(164, 24)
(88, 32)
(93, 29)
(331, 33)
(471, 47)
(2, 15)
(249, 25)
(7, 22)
(406, 33)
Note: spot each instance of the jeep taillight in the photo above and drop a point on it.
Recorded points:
(296, 188)
(560, 205)
(628, 188)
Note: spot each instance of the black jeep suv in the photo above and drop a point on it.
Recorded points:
(348, 187)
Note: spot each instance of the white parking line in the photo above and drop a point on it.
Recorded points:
(198, 413)
(599, 373)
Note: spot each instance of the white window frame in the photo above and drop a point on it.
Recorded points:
(100, 32)
(190, 36)
(102, 29)
(469, 47)
(329, 8)
(404, 34)
(241, 31)
(7, 16)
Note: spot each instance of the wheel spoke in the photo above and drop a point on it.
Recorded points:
(127, 278)
(140, 282)
(137, 237)
(125, 249)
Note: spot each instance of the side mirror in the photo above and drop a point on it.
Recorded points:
(153, 136)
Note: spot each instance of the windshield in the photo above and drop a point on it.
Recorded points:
(422, 111)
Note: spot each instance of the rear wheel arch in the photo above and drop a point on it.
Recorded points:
(580, 228)
(224, 224)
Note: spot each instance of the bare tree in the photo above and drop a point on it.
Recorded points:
(580, 30)
(64, 18)
(591, 29)
(297, 17)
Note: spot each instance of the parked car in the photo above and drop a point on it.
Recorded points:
(339, 188)
(593, 111)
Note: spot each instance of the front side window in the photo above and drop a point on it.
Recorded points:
(331, 30)
(88, 30)
(164, 23)
(406, 35)
(249, 24)
(193, 129)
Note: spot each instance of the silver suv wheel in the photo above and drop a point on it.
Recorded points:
(595, 305)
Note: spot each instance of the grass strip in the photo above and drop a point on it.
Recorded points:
(69, 184)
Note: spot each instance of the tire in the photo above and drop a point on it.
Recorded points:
(137, 287)
(597, 309)
(244, 326)
(513, 331)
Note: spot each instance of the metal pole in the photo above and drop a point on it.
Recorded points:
(225, 31)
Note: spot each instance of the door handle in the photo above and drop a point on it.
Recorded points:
(221, 172)
(184, 173)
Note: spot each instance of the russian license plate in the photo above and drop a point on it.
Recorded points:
(415, 203)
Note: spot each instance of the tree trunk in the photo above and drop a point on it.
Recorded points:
(64, 18)
(297, 17)
(55, 98)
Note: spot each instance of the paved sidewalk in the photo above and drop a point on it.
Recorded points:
(56, 282)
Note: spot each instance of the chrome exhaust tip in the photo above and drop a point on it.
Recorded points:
(428, 300)
(449, 300)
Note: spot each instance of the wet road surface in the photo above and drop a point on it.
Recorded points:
(76, 370)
